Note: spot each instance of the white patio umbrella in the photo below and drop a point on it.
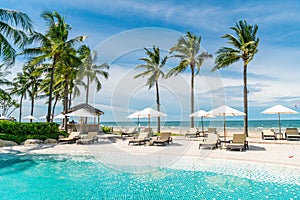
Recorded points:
(42, 117)
(279, 109)
(147, 113)
(135, 115)
(4, 118)
(30, 117)
(201, 114)
(60, 116)
(225, 111)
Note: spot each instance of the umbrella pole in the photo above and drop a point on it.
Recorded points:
(149, 123)
(224, 128)
(139, 128)
(202, 125)
(279, 123)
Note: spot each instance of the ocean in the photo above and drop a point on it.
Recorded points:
(230, 124)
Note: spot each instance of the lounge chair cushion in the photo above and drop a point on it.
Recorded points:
(71, 138)
(212, 130)
(89, 139)
(142, 138)
(192, 132)
(165, 138)
(292, 134)
(238, 142)
(132, 131)
(211, 141)
(268, 134)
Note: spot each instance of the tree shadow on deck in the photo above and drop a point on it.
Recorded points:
(256, 148)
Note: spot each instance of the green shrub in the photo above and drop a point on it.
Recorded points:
(106, 129)
(17, 139)
(19, 132)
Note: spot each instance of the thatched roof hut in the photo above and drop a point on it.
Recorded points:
(87, 107)
(85, 110)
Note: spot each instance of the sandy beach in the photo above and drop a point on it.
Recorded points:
(114, 150)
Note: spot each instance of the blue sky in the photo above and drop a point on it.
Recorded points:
(120, 29)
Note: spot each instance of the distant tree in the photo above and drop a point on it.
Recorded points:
(90, 70)
(3, 80)
(245, 45)
(153, 69)
(188, 50)
(31, 79)
(8, 105)
(18, 89)
(75, 89)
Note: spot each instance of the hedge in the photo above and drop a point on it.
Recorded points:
(19, 132)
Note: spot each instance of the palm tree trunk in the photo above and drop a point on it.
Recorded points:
(192, 93)
(245, 101)
(70, 98)
(21, 103)
(50, 90)
(32, 106)
(4, 109)
(66, 103)
(54, 104)
(87, 95)
(158, 106)
(87, 90)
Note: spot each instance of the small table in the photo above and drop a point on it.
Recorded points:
(222, 143)
(280, 136)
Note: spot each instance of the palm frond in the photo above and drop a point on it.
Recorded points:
(245, 45)
(16, 18)
(152, 65)
(188, 50)
(7, 52)
(143, 74)
(18, 37)
(199, 60)
(151, 81)
(226, 56)
(233, 40)
(176, 70)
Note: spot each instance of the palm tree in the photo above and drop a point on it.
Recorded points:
(19, 88)
(26, 83)
(8, 105)
(54, 45)
(3, 80)
(90, 70)
(69, 65)
(33, 81)
(6, 101)
(153, 68)
(75, 90)
(188, 50)
(245, 45)
(14, 27)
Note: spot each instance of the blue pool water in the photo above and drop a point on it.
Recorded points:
(66, 177)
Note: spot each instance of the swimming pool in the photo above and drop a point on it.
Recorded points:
(24, 176)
